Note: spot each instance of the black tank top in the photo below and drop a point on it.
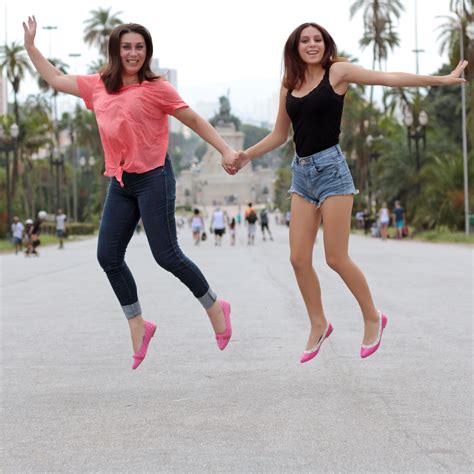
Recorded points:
(316, 118)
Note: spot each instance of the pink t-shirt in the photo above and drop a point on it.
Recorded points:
(133, 123)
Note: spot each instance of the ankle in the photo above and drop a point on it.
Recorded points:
(136, 323)
(371, 317)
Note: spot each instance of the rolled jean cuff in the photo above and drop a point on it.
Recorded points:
(132, 310)
(208, 299)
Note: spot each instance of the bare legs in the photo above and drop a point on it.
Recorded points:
(305, 222)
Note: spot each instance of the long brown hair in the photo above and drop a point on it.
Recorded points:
(112, 73)
(294, 66)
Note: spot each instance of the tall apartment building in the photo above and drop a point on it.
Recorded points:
(171, 75)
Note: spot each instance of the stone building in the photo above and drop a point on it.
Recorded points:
(206, 183)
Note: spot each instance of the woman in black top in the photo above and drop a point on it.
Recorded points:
(311, 99)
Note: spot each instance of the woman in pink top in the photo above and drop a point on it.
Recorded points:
(132, 105)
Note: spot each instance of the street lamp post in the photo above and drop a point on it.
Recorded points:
(57, 162)
(7, 145)
(470, 35)
(74, 148)
(49, 28)
(87, 165)
(416, 131)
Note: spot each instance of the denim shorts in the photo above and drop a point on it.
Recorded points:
(318, 176)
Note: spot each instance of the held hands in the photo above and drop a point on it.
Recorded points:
(30, 31)
(234, 161)
(455, 76)
(229, 162)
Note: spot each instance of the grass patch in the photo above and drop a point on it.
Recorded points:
(444, 235)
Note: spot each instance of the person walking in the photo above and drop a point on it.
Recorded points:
(251, 219)
(132, 105)
(311, 100)
(197, 226)
(398, 219)
(264, 221)
(17, 234)
(384, 220)
(60, 227)
(232, 231)
(218, 226)
(32, 234)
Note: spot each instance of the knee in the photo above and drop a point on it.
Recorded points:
(299, 262)
(169, 260)
(106, 261)
(336, 262)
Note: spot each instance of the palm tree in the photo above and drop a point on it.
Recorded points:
(461, 24)
(45, 87)
(378, 16)
(98, 28)
(95, 66)
(450, 34)
(15, 62)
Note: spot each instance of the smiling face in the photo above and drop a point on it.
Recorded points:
(311, 45)
(132, 53)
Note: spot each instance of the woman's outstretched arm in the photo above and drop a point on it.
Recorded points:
(350, 73)
(52, 75)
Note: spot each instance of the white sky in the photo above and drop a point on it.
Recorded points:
(221, 45)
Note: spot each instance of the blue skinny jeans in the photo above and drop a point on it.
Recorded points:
(151, 196)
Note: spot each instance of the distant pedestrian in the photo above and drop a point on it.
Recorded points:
(17, 234)
(27, 236)
(197, 226)
(34, 234)
(218, 226)
(384, 220)
(398, 219)
(264, 221)
(232, 230)
(287, 218)
(61, 227)
(359, 219)
(367, 221)
(251, 219)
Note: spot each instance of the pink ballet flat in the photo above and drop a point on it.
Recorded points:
(138, 357)
(368, 349)
(223, 338)
(311, 354)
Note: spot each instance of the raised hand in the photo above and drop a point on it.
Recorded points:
(455, 76)
(30, 31)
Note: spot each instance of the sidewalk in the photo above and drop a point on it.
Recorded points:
(71, 402)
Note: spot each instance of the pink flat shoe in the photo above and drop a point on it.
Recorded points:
(138, 357)
(223, 338)
(368, 349)
(311, 354)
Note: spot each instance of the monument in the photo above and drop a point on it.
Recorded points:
(206, 183)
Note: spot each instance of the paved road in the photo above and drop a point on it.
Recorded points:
(71, 403)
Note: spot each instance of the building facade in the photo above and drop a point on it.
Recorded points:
(206, 183)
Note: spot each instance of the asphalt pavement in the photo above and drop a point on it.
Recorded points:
(71, 403)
